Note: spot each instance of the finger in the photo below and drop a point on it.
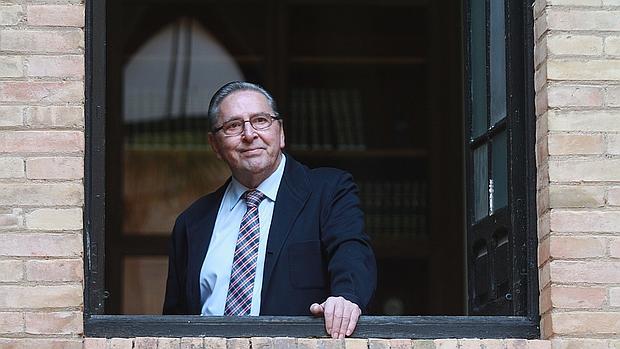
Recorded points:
(353, 322)
(328, 313)
(348, 313)
(316, 309)
(338, 315)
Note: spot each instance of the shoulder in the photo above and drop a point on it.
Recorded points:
(316, 177)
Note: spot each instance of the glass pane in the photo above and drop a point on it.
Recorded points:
(499, 171)
(478, 68)
(498, 61)
(144, 284)
(481, 182)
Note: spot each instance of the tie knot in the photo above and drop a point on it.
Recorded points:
(253, 198)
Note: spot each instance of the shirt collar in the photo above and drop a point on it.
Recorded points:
(269, 186)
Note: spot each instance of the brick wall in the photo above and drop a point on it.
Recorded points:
(577, 58)
(41, 170)
(577, 82)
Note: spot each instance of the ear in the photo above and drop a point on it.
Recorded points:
(282, 144)
(214, 145)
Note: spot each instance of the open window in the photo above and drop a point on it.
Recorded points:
(372, 87)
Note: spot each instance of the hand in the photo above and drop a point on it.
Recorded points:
(340, 315)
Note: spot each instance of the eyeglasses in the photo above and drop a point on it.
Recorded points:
(235, 126)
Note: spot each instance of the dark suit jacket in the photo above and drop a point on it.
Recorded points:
(316, 247)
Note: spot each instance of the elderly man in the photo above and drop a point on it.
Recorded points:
(277, 238)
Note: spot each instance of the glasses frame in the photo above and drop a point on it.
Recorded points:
(273, 117)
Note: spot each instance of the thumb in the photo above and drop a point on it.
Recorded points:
(317, 309)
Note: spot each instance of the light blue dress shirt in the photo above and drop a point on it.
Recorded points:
(215, 272)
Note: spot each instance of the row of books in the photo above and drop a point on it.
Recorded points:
(326, 119)
(395, 208)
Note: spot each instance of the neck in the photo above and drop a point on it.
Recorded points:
(253, 179)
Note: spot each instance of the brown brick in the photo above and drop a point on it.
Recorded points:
(11, 115)
(55, 270)
(56, 15)
(39, 194)
(585, 221)
(571, 44)
(41, 41)
(579, 96)
(97, 343)
(42, 91)
(11, 167)
(492, 344)
(261, 343)
(238, 343)
(590, 69)
(540, 26)
(578, 297)
(41, 141)
(54, 323)
(12, 219)
(284, 343)
(11, 270)
(329, 343)
(575, 144)
(512, 343)
(145, 342)
(577, 247)
(356, 343)
(538, 344)
(40, 296)
(590, 120)
(544, 251)
(579, 343)
(584, 170)
(169, 343)
(400, 344)
(583, 20)
(544, 300)
(55, 168)
(11, 66)
(567, 196)
(120, 343)
(307, 343)
(584, 323)
(540, 77)
(596, 272)
(191, 343)
(71, 66)
(43, 245)
(215, 343)
(55, 219)
(55, 116)
(51, 343)
(11, 323)
(469, 343)
(10, 14)
(446, 343)
(377, 343)
(424, 344)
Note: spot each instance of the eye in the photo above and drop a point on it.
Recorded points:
(260, 120)
(233, 125)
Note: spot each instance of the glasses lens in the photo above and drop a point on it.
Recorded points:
(233, 127)
(260, 121)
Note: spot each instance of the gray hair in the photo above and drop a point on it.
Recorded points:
(229, 88)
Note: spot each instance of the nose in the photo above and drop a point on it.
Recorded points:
(248, 131)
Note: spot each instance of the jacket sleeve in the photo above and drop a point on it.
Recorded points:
(351, 262)
(175, 302)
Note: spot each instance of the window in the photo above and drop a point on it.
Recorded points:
(391, 69)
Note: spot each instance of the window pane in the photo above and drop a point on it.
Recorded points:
(481, 182)
(498, 61)
(478, 68)
(144, 284)
(500, 171)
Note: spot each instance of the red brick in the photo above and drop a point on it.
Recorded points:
(11, 270)
(42, 91)
(55, 270)
(55, 116)
(42, 194)
(40, 296)
(578, 297)
(576, 247)
(56, 15)
(41, 41)
(54, 323)
(585, 323)
(43, 245)
(56, 66)
(55, 168)
(596, 272)
(11, 323)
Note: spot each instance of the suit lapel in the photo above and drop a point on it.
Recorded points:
(292, 196)
(199, 238)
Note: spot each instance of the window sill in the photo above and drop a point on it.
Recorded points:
(416, 327)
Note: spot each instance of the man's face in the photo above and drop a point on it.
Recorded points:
(254, 154)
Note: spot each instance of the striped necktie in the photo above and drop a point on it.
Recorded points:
(241, 287)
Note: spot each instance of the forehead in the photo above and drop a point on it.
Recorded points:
(242, 103)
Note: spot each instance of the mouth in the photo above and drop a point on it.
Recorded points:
(251, 151)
